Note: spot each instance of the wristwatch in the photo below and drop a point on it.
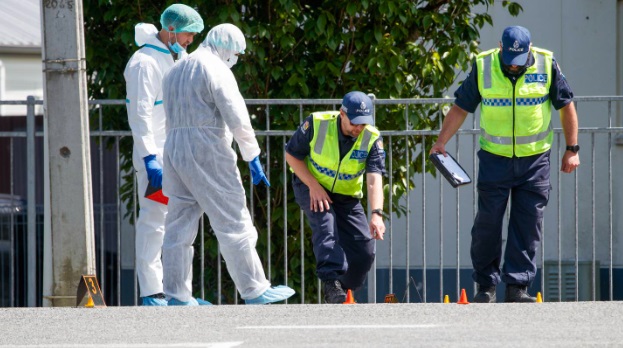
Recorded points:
(379, 212)
(573, 148)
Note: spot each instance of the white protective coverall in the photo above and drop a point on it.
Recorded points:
(205, 110)
(143, 75)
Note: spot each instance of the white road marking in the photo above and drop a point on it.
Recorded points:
(339, 327)
(133, 345)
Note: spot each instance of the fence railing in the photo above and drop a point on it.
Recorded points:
(426, 250)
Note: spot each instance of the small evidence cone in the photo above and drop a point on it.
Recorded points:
(539, 298)
(90, 303)
(446, 299)
(349, 297)
(463, 299)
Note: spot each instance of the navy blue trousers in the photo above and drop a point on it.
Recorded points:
(341, 238)
(526, 181)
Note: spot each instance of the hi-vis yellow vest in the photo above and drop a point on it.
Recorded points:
(346, 176)
(515, 121)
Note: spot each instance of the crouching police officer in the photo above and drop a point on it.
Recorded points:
(329, 154)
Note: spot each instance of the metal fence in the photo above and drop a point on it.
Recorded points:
(426, 251)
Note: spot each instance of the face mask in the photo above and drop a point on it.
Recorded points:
(231, 61)
(175, 47)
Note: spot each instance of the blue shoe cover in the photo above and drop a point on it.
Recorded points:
(150, 301)
(176, 302)
(193, 302)
(273, 294)
(203, 302)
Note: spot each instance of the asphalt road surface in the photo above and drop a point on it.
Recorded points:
(580, 324)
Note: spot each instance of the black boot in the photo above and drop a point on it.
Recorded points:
(485, 294)
(333, 292)
(518, 293)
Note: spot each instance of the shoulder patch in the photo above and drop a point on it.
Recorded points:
(304, 127)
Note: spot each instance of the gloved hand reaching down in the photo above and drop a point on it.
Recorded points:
(257, 173)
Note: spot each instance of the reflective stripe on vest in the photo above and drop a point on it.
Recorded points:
(331, 173)
(520, 126)
(540, 68)
(343, 176)
(518, 140)
(322, 137)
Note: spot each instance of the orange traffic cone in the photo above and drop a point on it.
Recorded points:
(349, 298)
(463, 299)
(391, 298)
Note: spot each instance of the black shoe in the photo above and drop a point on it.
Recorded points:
(333, 292)
(485, 294)
(518, 293)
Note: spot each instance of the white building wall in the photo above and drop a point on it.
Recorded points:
(22, 76)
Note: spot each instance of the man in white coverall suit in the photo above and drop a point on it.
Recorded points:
(143, 75)
(205, 110)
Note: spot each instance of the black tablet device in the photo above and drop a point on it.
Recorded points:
(451, 169)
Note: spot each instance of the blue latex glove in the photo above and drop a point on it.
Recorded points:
(257, 173)
(154, 171)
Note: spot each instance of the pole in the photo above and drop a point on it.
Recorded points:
(66, 117)
(31, 299)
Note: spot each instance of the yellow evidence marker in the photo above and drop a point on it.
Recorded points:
(89, 286)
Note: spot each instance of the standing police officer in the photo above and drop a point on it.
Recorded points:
(329, 153)
(514, 85)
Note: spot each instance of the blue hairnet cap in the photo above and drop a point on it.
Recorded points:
(182, 19)
(226, 36)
